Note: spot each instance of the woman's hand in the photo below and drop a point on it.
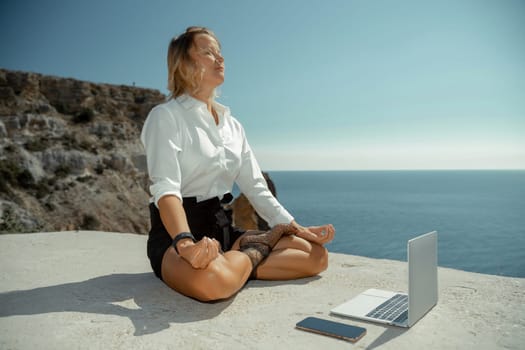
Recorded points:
(316, 234)
(201, 253)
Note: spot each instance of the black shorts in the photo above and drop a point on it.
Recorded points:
(206, 218)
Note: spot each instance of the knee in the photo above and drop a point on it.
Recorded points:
(319, 259)
(213, 284)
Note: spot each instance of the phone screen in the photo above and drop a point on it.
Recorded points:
(331, 328)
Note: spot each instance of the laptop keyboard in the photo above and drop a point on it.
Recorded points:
(394, 309)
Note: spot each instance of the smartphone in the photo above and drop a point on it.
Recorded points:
(332, 329)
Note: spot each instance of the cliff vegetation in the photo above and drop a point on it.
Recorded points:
(70, 154)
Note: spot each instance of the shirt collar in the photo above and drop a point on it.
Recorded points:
(189, 102)
(221, 109)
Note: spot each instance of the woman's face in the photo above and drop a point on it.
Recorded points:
(207, 56)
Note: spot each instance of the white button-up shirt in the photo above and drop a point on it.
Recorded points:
(189, 155)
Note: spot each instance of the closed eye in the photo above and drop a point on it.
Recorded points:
(212, 53)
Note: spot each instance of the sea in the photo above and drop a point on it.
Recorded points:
(479, 214)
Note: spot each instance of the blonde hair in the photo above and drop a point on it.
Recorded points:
(183, 75)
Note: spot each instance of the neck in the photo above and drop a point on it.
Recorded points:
(206, 96)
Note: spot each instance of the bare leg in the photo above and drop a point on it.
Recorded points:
(291, 258)
(223, 277)
(226, 275)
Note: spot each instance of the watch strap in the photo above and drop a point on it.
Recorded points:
(181, 236)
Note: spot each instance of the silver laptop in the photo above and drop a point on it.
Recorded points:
(400, 309)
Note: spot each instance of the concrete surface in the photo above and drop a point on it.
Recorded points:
(94, 290)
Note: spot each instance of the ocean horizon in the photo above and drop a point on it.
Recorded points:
(479, 214)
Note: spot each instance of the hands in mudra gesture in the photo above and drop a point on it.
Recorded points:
(316, 234)
(201, 253)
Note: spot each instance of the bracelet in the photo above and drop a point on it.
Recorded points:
(181, 236)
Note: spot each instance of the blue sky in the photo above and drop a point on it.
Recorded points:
(322, 85)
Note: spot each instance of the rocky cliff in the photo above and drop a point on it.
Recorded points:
(70, 154)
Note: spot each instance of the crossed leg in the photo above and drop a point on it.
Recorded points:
(291, 258)
(221, 279)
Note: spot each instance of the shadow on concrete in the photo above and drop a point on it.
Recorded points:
(264, 284)
(153, 306)
(145, 300)
(389, 334)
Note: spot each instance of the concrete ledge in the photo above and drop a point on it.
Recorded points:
(94, 290)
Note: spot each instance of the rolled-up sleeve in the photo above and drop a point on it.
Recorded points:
(253, 185)
(162, 143)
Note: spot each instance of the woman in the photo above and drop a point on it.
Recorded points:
(195, 151)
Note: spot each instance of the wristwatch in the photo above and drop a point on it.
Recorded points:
(181, 236)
